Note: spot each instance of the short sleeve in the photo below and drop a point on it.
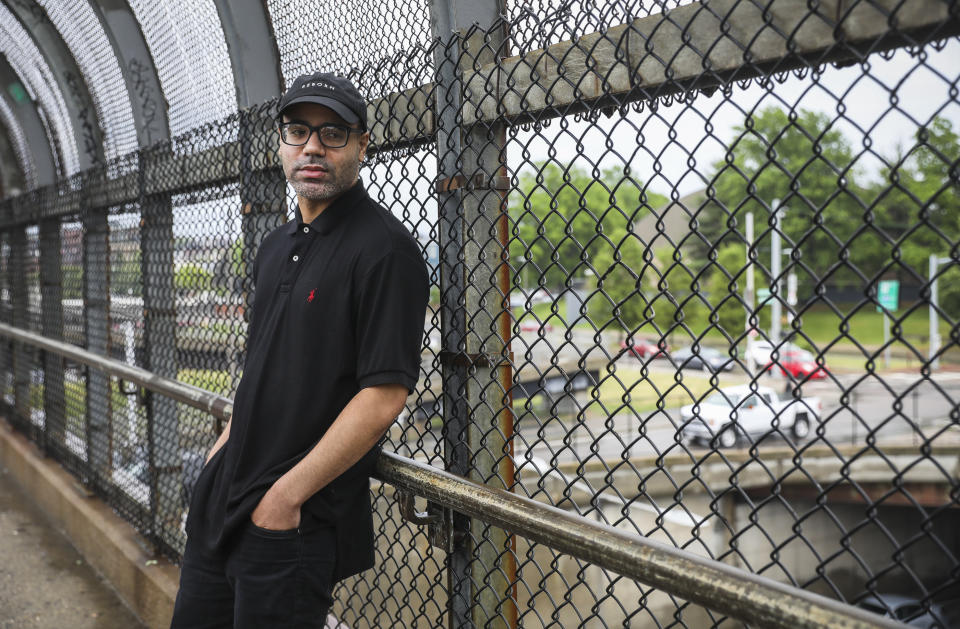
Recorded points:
(392, 302)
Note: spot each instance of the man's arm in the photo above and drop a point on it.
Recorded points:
(222, 439)
(357, 429)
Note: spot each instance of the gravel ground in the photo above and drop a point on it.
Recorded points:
(44, 581)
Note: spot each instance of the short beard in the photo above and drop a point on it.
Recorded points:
(327, 190)
(322, 192)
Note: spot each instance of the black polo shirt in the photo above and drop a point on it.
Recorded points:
(339, 305)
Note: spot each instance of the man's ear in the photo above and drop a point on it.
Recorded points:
(364, 141)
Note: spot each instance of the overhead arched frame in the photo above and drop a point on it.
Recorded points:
(69, 78)
(138, 69)
(252, 49)
(27, 116)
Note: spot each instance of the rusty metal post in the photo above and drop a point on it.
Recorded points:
(474, 294)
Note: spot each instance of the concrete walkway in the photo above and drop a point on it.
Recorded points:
(44, 581)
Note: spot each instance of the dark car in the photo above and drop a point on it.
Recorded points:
(645, 348)
(706, 358)
(910, 610)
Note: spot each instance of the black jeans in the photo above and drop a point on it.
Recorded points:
(265, 579)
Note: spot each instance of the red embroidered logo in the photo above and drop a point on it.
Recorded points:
(313, 293)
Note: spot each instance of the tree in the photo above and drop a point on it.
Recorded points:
(564, 216)
(726, 290)
(570, 225)
(798, 158)
(915, 212)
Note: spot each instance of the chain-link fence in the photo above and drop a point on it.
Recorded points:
(695, 274)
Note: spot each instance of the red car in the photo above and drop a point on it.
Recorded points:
(535, 326)
(645, 348)
(799, 363)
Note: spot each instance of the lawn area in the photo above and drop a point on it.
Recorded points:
(865, 325)
(844, 330)
(629, 386)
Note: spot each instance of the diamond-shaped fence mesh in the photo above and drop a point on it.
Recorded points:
(695, 275)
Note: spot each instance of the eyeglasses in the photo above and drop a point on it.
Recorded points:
(332, 135)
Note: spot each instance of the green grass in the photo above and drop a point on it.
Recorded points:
(861, 325)
(209, 379)
(629, 387)
(865, 325)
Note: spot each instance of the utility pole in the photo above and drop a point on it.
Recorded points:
(776, 305)
(935, 263)
(750, 296)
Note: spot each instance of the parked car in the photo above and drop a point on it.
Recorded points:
(799, 363)
(909, 610)
(532, 325)
(732, 412)
(760, 352)
(791, 359)
(644, 348)
(706, 358)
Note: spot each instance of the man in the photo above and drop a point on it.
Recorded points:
(281, 510)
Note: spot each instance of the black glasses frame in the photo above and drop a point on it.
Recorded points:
(317, 129)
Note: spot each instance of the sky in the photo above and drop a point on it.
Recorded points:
(883, 102)
(879, 105)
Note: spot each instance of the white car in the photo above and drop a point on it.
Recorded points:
(732, 412)
(760, 351)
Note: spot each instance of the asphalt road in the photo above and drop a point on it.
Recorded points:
(891, 407)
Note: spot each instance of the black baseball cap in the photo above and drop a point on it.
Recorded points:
(329, 90)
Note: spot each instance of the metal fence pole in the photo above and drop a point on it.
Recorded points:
(478, 415)
(160, 342)
(934, 345)
(51, 295)
(263, 203)
(96, 302)
(453, 319)
(19, 299)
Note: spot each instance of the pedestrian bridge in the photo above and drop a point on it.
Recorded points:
(618, 203)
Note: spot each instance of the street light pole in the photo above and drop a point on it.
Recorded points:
(749, 297)
(775, 306)
(935, 263)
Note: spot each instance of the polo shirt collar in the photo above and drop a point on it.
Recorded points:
(330, 217)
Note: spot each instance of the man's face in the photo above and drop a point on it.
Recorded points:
(316, 172)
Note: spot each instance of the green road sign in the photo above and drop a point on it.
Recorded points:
(763, 293)
(888, 294)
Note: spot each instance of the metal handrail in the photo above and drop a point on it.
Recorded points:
(217, 405)
(738, 593)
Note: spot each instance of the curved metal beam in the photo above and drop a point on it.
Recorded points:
(27, 113)
(70, 80)
(139, 71)
(253, 50)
